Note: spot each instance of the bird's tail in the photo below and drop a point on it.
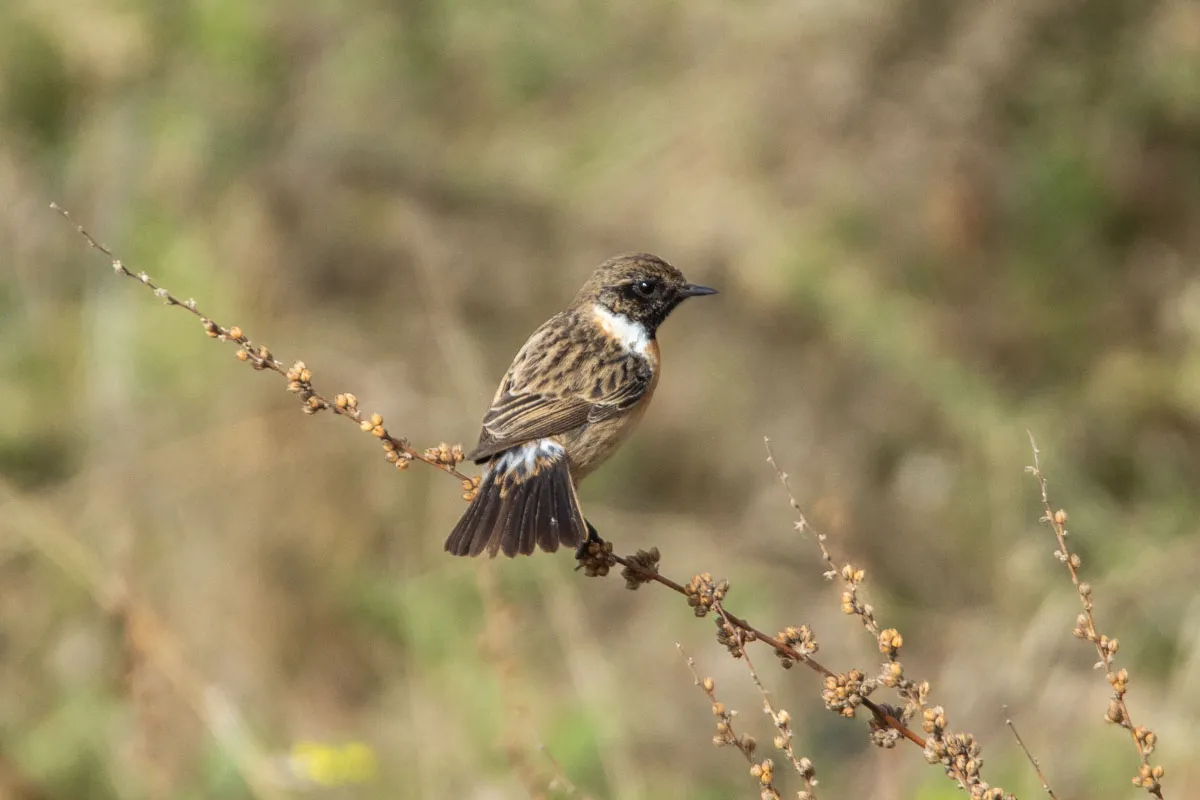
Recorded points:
(526, 499)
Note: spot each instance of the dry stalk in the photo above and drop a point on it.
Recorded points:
(958, 753)
(762, 771)
(1148, 777)
(780, 718)
(1037, 766)
(398, 450)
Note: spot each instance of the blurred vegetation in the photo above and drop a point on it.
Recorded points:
(934, 225)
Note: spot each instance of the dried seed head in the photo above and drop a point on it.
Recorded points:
(843, 693)
(596, 559)
(890, 642)
(642, 567)
(884, 735)
(704, 591)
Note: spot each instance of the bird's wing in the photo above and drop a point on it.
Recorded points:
(557, 384)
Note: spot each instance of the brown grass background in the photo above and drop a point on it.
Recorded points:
(934, 225)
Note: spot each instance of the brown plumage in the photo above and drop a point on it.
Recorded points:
(574, 392)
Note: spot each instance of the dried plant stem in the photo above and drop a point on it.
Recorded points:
(851, 603)
(1149, 776)
(958, 753)
(753, 634)
(763, 771)
(779, 718)
(299, 377)
(1037, 767)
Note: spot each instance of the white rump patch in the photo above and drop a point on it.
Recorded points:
(632, 335)
(527, 455)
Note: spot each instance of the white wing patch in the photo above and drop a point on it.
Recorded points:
(631, 335)
(526, 456)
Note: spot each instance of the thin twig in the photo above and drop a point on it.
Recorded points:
(889, 642)
(299, 377)
(780, 719)
(763, 771)
(774, 643)
(1037, 767)
(1149, 776)
(851, 578)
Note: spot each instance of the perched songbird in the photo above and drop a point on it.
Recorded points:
(574, 392)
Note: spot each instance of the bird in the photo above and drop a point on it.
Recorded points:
(575, 391)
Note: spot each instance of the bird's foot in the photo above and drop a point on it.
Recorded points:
(595, 554)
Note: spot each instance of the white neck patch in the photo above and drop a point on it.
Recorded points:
(631, 335)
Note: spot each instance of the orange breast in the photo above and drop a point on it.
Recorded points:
(653, 357)
(591, 446)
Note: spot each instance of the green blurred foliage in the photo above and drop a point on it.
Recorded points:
(935, 225)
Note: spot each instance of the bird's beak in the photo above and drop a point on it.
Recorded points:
(692, 290)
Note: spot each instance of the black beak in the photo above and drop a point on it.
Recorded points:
(692, 290)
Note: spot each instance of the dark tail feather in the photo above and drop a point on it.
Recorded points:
(537, 506)
(479, 516)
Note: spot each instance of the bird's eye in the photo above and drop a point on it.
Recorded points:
(645, 289)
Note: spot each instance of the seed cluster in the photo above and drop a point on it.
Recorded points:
(641, 567)
(959, 754)
(702, 592)
(731, 637)
(446, 454)
(880, 732)
(844, 692)
(800, 639)
(596, 558)
(851, 602)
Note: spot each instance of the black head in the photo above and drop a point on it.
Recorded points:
(639, 286)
